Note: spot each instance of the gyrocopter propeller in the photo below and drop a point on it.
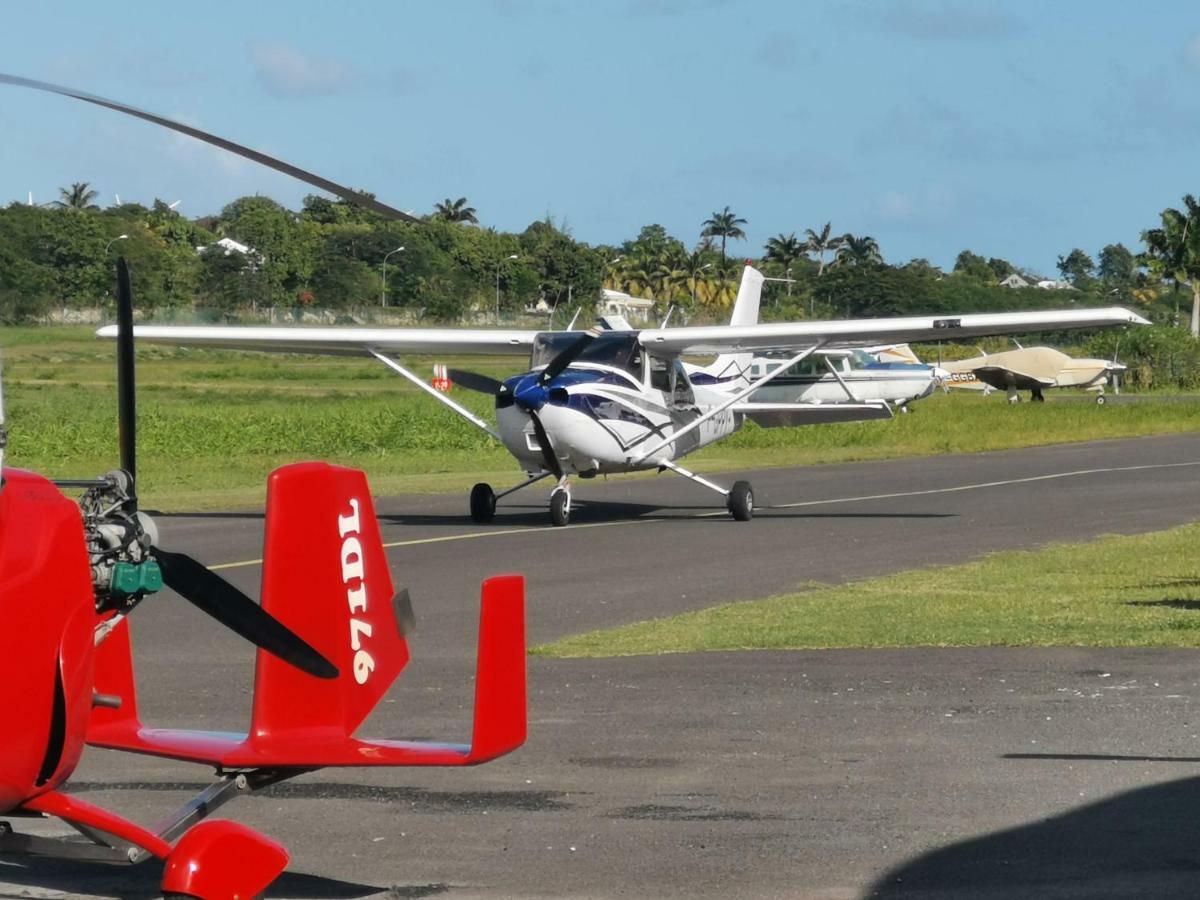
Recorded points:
(126, 561)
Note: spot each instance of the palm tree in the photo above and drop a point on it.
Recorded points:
(820, 244)
(1173, 251)
(80, 196)
(785, 250)
(724, 224)
(456, 211)
(858, 251)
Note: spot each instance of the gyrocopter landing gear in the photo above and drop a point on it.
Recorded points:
(483, 498)
(1036, 395)
(739, 499)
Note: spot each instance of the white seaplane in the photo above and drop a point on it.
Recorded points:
(604, 401)
(610, 401)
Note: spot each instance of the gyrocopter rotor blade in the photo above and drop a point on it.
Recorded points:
(270, 162)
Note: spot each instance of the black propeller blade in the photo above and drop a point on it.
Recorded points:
(473, 381)
(363, 200)
(547, 448)
(126, 385)
(559, 364)
(187, 577)
(211, 593)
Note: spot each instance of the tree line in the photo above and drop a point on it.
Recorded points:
(333, 255)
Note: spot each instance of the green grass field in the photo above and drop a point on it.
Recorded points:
(214, 423)
(1141, 591)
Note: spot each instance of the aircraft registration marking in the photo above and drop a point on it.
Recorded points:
(503, 532)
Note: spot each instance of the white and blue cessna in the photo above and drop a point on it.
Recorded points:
(608, 401)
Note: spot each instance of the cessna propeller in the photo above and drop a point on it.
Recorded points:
(531, 392)
(122, 540)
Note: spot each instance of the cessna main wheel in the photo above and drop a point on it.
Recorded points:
(560, 508)
(483, 503)
(1101, 400)
(741, 501)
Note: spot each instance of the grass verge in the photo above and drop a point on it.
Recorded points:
(214, 423)
(1140, 591)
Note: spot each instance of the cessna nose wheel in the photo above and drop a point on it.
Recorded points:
(560, 506)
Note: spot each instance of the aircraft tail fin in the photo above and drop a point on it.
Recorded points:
(325, 576)
(734, 368)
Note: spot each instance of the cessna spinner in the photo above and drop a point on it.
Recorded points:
(605, 402)
(619, 401)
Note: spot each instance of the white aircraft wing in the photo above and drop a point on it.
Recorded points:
(335, 341)
(783, 415)
(864, 332)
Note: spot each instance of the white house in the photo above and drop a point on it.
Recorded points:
(1014, 281)
(230, 246)
(618, 303)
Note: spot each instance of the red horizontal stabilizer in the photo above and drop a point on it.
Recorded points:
(326, 577)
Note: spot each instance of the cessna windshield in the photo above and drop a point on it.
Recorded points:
(620, 351)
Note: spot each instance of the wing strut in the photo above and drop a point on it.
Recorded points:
(729, 401)
(436, 394)
(838, 375)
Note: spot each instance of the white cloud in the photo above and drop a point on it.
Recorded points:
(287, 72)
(948, 21)
(1191, 53)
(934, 203)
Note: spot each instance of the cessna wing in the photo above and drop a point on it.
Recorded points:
(337, 341)
(861, 332)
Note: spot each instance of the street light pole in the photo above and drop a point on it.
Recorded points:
(119, 237)
(510, 256)
(383, 290)
(694, 275)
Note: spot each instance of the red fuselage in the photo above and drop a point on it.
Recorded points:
(48, 615)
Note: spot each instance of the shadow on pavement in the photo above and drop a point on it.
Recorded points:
(1143, 843)
(142, 881)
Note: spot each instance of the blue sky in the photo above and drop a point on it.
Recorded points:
(1017, 130)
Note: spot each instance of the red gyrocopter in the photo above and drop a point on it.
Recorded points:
(331, 640)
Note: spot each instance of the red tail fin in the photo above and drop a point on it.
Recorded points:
(325, 576)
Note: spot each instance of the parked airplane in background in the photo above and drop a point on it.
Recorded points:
(1032, 369)
(599, 402)
(841, 376)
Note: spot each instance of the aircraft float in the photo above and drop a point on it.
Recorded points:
(331, 633)
(608, 401)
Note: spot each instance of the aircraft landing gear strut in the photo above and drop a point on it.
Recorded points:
(739, 499)
(483, 498)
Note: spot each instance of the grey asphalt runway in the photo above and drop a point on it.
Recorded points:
(900, 773)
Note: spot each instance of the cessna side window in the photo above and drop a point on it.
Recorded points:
(682, 394)
(661, 375)
(810, 366)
